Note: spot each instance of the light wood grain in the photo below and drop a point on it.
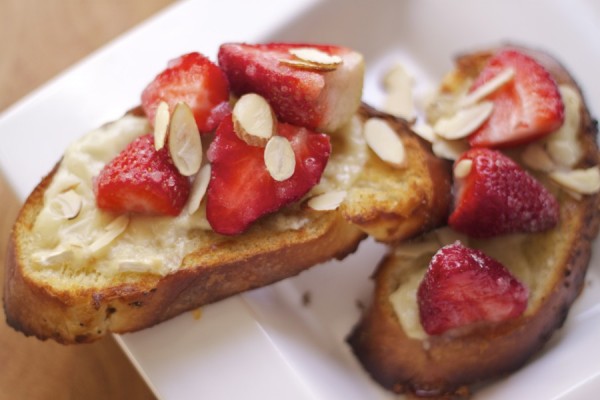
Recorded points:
(38, 39)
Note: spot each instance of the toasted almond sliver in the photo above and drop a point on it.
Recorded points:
(185, 145)
(279, 157)
(66, 205)
(563, 144)
(449, 149)
(55, 256)
(198, 190)
(464, 122)
(327, 201)
(463, 168)
(488, 88)
(316, 56)
(253, 119)
(397, 78)
(161, 124)
(535, 157)
(111, 232)
(300, 64)
(399, 100)
(582, 181)
(385, 142)
(424, 130)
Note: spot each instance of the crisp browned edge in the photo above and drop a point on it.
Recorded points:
(450, 366)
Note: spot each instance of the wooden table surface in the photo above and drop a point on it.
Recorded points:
(38, 39)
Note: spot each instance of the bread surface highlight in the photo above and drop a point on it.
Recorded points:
(555, 266)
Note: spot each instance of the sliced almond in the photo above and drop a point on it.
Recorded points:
(316, 56)
(66, 205)
(464, 122)
(449, 149)
(537, 158)
(463, 168)
(111, 231)
(161, 125)
(67, 182)
(198, 190)
(327, 201)
(385, 142)
(424, 130)
(397, 78)
(582, 181)
(185, 145)
(399, 100)
(488, 88)
(563, 145)
(300, 64)
(253, 119)
(279, 157)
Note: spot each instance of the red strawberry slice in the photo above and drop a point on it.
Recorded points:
(499, 197)
(142, 179)
(241, 189)
(192, 79)
(463, 286)
(526, 108)
(318, 100)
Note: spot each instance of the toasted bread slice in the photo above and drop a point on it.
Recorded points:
(389, 340)
(76, 296)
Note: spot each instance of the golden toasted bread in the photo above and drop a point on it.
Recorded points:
(159, 267)
(389, 340)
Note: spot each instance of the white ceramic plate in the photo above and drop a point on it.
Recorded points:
(272, 343)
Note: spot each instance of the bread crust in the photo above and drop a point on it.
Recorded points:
(217, 270)
(446, 366)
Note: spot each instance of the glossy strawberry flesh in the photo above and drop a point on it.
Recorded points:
(525, 109)
(499, 197)
(192, 79)
(317, 100)
(241, 190)
(143, 180)
(464, 286)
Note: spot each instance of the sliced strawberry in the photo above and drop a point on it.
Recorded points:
(194, 80)
(142, 179)
(499, 197)
(463, 286)
(526, 108)
(318, 100)
(241, 189)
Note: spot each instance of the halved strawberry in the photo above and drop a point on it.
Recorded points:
(463, 286)
(241, 189)
(526, 108)
(499, 197)
(194, 80)
(142, 179)
(316, 99)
